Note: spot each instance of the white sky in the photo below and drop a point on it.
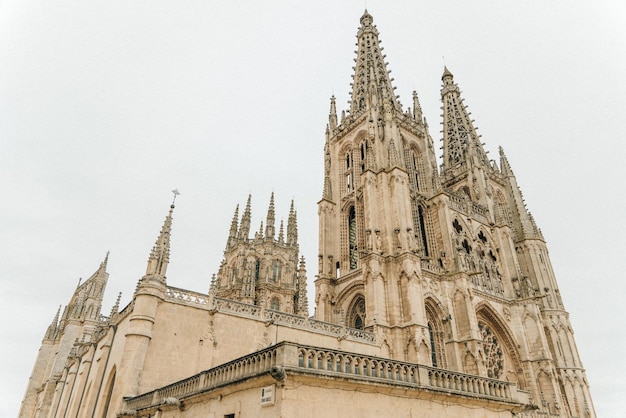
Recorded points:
(107, 106)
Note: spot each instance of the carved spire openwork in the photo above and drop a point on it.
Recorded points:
(371, 82)
(461, 143)
(494, 355)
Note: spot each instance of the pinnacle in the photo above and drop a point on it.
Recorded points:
(372, 86)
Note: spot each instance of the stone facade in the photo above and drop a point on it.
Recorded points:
(435, 295)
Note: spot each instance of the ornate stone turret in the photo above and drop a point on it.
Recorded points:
(264, 271)
(160, 254)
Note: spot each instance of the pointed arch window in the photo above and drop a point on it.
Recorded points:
(257, 270)
(436, 334)
(349, 174)
(275, 304)
(356, 316)
(352, 239)
(433, 349)
(420, 214)
(277, 270)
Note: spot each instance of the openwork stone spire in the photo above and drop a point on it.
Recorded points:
(461, 143)
(371, 83)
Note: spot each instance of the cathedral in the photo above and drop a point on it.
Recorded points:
(434, 294)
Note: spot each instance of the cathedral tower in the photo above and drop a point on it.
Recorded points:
(448, 266)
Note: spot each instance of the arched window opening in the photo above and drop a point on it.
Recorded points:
(277, 270)
(457, 226)
(436, 334)
(275, 303)
(349, 174)
(433, 350)
(353, 250)
(108, 392)
(257, 270)
(415, 173)
(337, 270)
(420, 213)
(356, 316)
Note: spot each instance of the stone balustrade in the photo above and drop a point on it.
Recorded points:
(288, 357)
(181, 295)
(200, 300)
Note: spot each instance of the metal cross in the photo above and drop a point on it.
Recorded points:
(176, 193)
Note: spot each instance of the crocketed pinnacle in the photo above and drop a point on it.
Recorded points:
(371, 82)
(270, 221)
(281, 233)
(53, 329)
(505, 167)
(417, 108)
(232, 234)
(292, 226)
(461, 143)
(244, 228)
(332, 116)
(160, 254)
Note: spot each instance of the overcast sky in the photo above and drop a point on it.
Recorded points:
(105, 107)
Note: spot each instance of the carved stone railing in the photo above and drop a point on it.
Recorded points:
(451, 173)
(291, 320)
(188, 297)
(457, 203)
(467, 207)
(288, 357)
(367, 367)
(233, 371)
(239, 308)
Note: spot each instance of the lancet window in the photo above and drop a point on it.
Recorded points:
(349, 173)
(436, 334)
(352, 239)
(277, 270)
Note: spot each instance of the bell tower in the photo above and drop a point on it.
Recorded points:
(379, 167)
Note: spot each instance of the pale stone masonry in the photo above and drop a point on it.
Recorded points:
(434, 294)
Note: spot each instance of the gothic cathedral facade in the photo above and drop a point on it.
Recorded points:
(434, 295)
